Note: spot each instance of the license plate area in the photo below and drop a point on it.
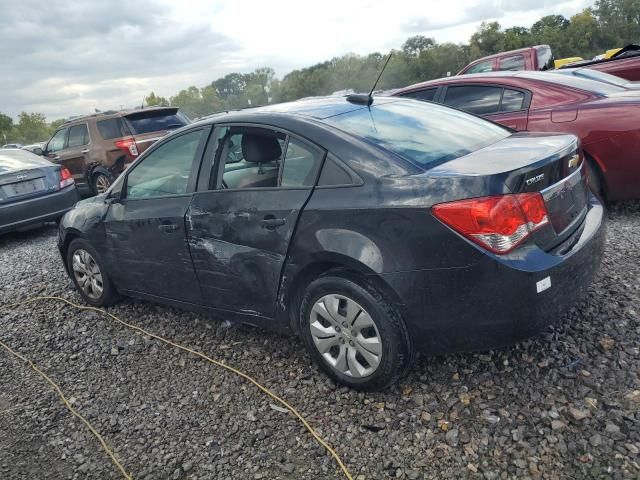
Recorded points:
(23, 188)
(566, 202)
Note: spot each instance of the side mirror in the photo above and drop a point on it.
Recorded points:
(113, 197)
(38, 151)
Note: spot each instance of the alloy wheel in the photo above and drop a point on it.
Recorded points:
(345, 335)
(87, 274)
(102, 183)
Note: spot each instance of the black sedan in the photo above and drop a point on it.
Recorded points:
(32, 190)
(371, 231)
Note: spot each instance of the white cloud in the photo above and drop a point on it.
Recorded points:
(62, 58)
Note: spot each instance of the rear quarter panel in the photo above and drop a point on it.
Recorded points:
(628, 68)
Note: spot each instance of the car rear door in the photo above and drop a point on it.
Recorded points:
(244, 214)
(145, 229)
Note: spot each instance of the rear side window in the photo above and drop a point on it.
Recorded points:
(512, 100)
(515, 62)
(481, 67)
(156, 121)
(111, 128)
(78, 136)
(425, 133)
(545, 58)
(426, 95)
(474, 99)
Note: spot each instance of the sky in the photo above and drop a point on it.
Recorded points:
(63, 57)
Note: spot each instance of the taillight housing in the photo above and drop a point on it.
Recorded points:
(66, 178)
(128, 146)
(498, 223)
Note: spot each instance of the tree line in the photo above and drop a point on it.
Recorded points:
(608, 24)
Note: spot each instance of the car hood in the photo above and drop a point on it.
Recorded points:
(15, 160)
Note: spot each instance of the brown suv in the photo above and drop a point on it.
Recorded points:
(97, 148)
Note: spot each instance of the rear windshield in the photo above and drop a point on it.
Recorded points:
(155, 121)
(600, 76)
(425, 133)
(586, 84)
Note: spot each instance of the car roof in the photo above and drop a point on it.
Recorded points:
(318, 108)
(113, 114)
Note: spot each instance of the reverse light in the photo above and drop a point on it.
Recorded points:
(66, 178)
(128, 146)
(498, 223)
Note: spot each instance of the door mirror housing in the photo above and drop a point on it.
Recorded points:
(38, 151)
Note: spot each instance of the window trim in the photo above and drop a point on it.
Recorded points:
(212, 162)
(525, 104)
(193, 174)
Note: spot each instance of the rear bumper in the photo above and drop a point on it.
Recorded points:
(15, 216)
(498, 301)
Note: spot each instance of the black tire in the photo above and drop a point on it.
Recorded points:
(109, 295)
(595, 180)
(100, 182)
(397, 349)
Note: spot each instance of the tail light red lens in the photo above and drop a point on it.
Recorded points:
(128, 146)
(66, 178)
(498, 223)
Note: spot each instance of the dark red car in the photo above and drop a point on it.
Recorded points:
(606, 117)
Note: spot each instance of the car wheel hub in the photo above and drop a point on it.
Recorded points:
(102, 183)
(87, 274)
(345, 335)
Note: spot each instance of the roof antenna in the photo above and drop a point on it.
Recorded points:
(362, 99)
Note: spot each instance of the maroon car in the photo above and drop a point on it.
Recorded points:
(606, 117)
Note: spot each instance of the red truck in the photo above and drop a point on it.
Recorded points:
(624, 64)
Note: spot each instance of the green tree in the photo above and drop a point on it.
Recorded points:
(153, 100)
(619, 20)
(6, 123)
(31, 128)
(489, 39)
(416, 44)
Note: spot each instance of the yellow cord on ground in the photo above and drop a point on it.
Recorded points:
(265, 390)
(71, 409)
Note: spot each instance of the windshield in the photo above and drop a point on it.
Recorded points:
(424, 133)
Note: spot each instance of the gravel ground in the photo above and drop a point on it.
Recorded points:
(562, 405)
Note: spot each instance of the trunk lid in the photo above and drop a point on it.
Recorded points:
(24, 175)
(551, 164)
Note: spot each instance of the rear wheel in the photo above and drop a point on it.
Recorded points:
(353, 333)
(100, 183)
(88, 274)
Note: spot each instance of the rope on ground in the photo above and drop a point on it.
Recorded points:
(70, 408)
(250, 379)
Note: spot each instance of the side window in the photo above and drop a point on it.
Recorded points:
(78, 135)
(474, 99)
(166, 170)
(481, 67)
(512, 100)
(516, 62)
(333, 173)
(250, 157)
(424, 95)
(111, 128)
(301, 165)
(57, 141)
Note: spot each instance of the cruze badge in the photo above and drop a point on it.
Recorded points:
(20, 177)
(574, 160)
(536, 179)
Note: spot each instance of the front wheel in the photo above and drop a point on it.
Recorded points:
(353, 333)
(88, 274)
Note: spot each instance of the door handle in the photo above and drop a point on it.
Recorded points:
(271, 222)
(168, 227)
(86, 150)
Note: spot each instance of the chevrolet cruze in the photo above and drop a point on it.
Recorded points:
(372, 230)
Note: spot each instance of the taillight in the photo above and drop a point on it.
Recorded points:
(128, 145)
(498, 223)
(66, 178)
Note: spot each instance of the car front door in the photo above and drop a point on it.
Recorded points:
(244, 214)
(73, 157)
(145, 228)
